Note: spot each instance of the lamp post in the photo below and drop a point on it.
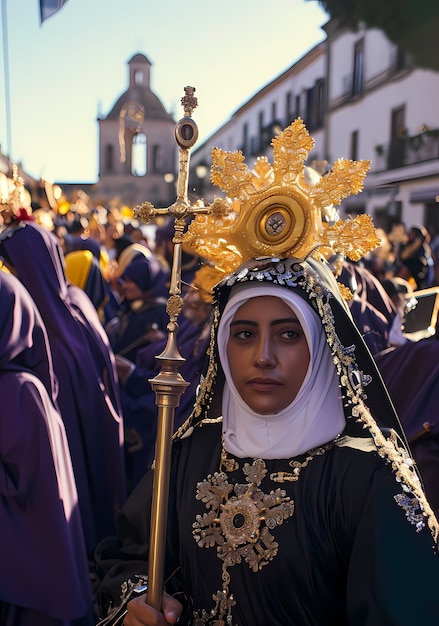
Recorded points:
(169, 179)
(201, 172)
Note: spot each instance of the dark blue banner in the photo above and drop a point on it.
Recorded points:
(50, 7)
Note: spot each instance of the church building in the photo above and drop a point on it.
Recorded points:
(137, 148)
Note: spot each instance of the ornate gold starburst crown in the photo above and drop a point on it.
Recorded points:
(13, 195)
(284, 209)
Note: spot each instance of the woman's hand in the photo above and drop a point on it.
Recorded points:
(139, 613)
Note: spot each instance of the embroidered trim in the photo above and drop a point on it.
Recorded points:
(281, 477)
(357, 443)
(413, 510)
(128, 588)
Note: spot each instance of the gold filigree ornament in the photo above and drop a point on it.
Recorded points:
(238, 522)
(239, 519)
(284, 209)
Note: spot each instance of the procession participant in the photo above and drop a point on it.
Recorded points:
(293, 496)
(83, 270)
(44, 575)
(88, 390)
(137, 395)
(411, 374)
(141, 318)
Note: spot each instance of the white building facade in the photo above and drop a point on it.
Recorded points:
(360, 98)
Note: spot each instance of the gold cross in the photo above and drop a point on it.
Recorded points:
(186, 135)
(169, 384)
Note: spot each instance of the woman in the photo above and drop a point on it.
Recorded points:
(44, 578)
(293, 498)
(142, 317)
(299, 506)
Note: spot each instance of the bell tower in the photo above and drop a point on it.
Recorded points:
(137, 151)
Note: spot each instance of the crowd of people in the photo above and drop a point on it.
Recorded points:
(84, 316)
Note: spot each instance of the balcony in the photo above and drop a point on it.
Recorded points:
(405, 150)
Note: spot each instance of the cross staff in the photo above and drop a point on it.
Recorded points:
(169, 384)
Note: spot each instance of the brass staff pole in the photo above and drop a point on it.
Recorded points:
(169, 384)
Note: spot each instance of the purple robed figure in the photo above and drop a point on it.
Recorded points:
(371, 307)
(88, 395)
(44, 575)
(369, 289)
(411, 374)
(138, 397)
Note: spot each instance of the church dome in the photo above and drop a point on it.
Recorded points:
(139, 91)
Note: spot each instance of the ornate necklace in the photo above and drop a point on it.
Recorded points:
(239, 519)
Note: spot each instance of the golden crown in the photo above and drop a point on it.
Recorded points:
(13, 194)
(284, 209)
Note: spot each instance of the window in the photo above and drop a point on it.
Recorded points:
(400, 59)
(298, 111)
(138, 77)
(156, 158)
(320, 103)
(354, 145)
(358, 77)
(109, 158)
(309, 115)
(315, 105)
(245, 138)
(398, 133)
(138, 154)
(289, 108)
(261, 131)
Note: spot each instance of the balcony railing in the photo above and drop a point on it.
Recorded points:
(405, 150)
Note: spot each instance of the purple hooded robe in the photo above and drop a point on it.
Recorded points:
(411, 374)
(88, 394)
(44, 574)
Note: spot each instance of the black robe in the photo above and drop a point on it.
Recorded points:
(349, 554)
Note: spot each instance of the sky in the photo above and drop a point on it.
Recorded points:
(70, 70)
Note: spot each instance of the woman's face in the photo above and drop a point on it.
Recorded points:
(268, 354)
(130, 290)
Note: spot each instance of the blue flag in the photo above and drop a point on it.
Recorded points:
(49, 7)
